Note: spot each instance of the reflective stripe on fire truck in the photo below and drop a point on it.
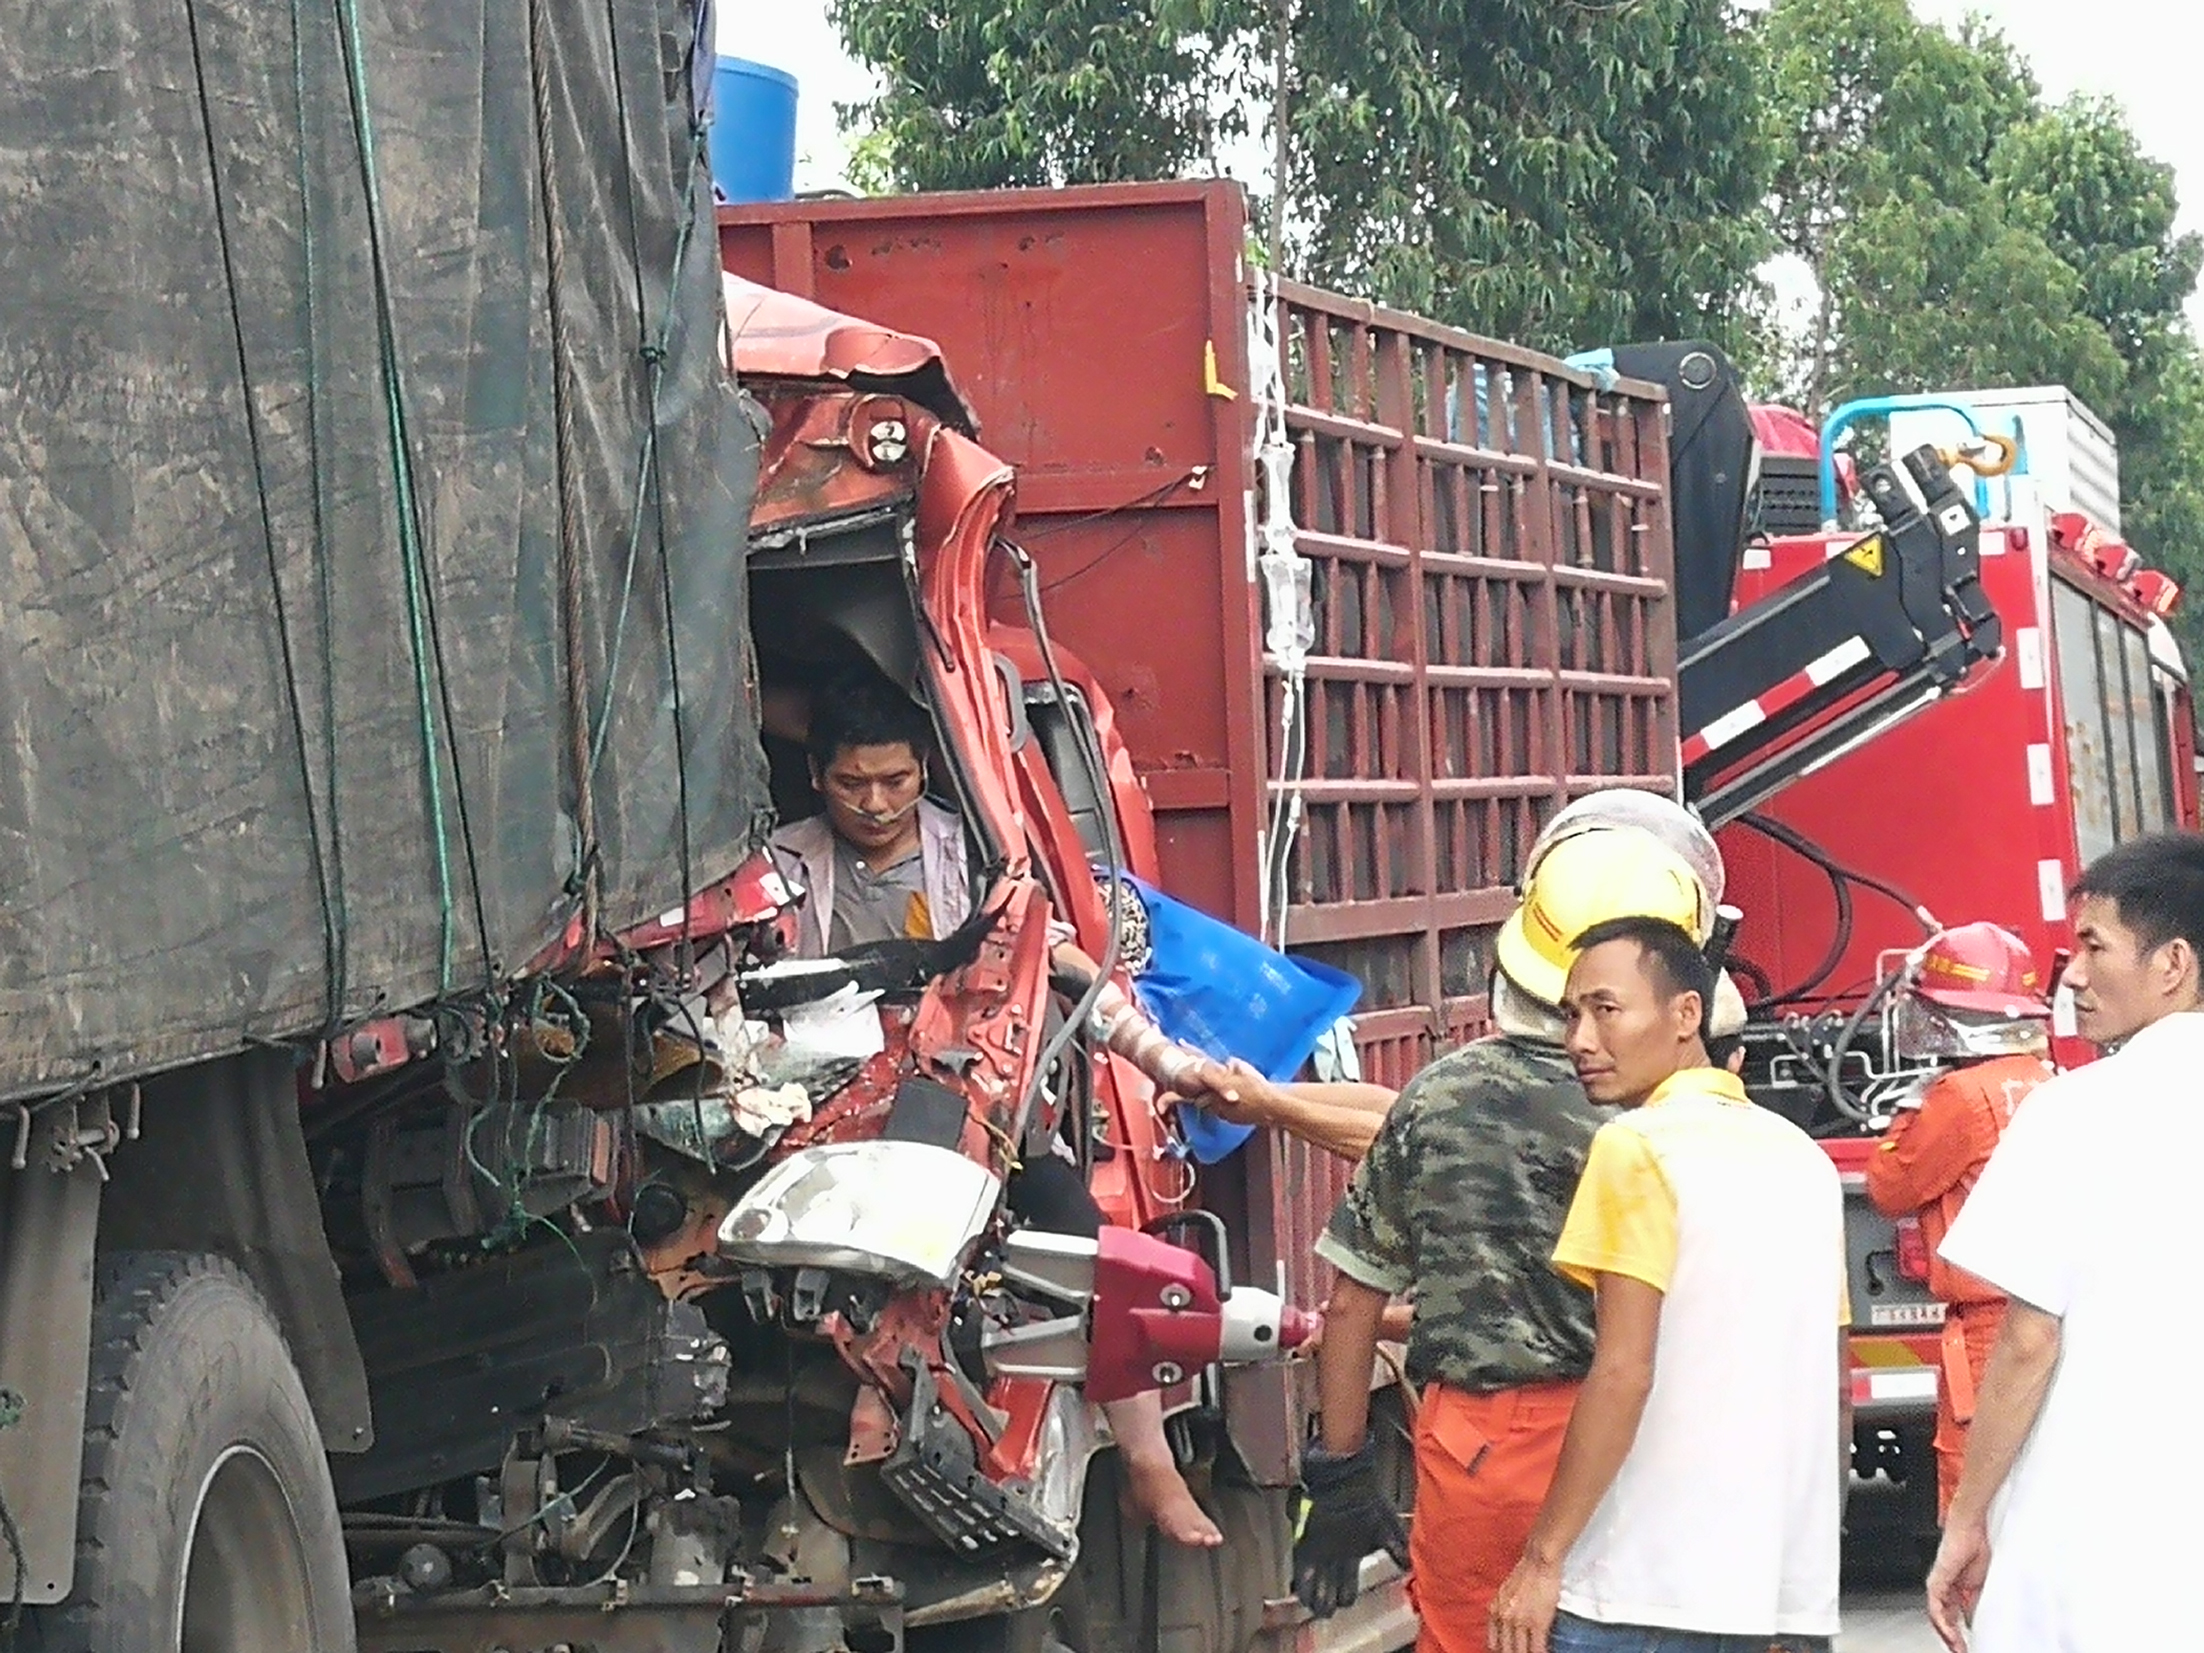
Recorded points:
(1912, 1383)
(2040, 789)
(1787, 693)
(1891, 1370)
(2051, 889)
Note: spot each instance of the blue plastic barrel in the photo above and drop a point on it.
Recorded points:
(753, 131)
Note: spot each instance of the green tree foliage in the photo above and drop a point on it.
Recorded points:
(988, 94)
(1883, 192)
(1961, 233)
(1555, 171)
(1563, 174)
(1572, 172)
(2108, 210)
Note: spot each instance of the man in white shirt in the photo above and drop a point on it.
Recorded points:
(2077, 1516)
(1698, 1499)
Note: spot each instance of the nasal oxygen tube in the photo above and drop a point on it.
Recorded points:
(891, 817)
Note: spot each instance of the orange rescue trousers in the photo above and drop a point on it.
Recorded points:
(1970, 1332)
(1483, 1464)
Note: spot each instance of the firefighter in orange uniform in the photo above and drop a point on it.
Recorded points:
(1973, 1000)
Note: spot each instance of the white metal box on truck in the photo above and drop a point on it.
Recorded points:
(2066, 451)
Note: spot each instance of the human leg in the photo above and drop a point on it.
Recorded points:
(1571, 1634)
(1153, 1485)
(1950, 1444)
(1483, 1465)
(1048, 1193)
(1970, 1332)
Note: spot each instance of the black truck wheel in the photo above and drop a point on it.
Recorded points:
(208, 1523)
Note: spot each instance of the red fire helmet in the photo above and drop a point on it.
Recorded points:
(1980, 969)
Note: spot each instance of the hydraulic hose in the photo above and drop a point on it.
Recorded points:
(1841, 877)
(1833, 1075)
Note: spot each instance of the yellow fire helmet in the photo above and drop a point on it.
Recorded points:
(1621, 806)
(1617, 872)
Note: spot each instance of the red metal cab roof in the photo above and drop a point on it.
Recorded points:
(776, 335)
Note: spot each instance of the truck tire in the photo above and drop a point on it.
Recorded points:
(208, 1523)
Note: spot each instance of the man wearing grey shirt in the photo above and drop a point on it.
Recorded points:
(885, 862)
(882, 861)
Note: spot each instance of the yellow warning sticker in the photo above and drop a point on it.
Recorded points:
(1867, 556)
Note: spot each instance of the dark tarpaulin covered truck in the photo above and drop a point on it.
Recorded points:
(372, 498)
(1485, 542)
(311, 480)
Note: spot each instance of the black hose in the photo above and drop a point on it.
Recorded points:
(1840, 943)
(1792, 839)
(1739, 965)
(1840, 878)
(1833, 1075)
(1113, 854)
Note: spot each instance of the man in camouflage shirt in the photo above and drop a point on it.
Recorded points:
(1458, 1205)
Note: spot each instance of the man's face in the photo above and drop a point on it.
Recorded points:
(870, 794)
(1625, 1034)
(2120, 986)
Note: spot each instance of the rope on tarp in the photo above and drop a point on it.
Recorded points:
(324, 563)
(652, 346)
(332, 920)
(432, 689)
(576, 651)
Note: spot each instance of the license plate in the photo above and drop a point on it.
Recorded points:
(1906, 1314)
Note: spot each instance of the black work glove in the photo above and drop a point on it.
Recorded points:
(1348, 1516)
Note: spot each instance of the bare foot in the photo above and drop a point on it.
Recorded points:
(1156, 1492)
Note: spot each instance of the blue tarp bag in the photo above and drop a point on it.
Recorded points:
(1223, 992)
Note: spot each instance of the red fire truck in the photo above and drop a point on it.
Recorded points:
(1986, 805)
(1881, 759)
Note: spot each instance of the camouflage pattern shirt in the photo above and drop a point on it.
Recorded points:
(1459, 1204)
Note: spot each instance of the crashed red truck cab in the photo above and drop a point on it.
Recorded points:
(871, 1230)
(884, 1422)
(690, 1282)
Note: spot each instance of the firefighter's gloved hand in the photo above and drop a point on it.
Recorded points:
(1348, 1516)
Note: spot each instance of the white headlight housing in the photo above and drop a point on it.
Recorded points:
(900, 1210)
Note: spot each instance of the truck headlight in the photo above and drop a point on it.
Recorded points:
(899, 1210)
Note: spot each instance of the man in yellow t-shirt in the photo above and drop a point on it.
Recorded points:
(1700, 1489)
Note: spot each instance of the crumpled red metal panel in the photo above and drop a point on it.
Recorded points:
(806, 472)
(775, 335)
